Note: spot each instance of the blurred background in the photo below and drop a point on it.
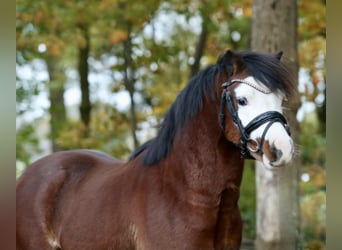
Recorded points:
(101, 74)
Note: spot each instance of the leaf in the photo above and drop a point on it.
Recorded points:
(118, 36)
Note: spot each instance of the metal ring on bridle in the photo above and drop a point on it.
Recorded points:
(253, 150)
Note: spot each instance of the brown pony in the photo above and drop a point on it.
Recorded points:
(179, 190)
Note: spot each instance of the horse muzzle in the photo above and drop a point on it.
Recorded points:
(276, 150)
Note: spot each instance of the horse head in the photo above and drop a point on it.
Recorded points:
(253, 90)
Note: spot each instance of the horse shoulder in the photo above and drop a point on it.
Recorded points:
(44, 185)
(44, 179)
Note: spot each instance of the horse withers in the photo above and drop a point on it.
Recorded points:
(179, 190)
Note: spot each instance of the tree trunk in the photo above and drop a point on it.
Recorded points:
(56, 96)
(129, 83)
(194, 68)
(321, 113)
(83, 71)
(274, 28)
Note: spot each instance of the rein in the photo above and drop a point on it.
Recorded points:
(270, 116)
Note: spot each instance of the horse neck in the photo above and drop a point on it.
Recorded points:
(203, 160)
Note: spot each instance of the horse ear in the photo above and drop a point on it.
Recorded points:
(279, 55)
(226, 58)
(230, 61)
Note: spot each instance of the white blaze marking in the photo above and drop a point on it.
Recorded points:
(258, 103)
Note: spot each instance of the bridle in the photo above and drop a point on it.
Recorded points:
(270, 116)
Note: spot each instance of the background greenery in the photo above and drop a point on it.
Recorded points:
(76, 59)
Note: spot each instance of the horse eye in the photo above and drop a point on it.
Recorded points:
(242, 101)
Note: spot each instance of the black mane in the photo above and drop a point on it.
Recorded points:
(268, 69)
(264, 67)
(188, 103)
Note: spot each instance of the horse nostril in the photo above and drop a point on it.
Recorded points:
(277, 153)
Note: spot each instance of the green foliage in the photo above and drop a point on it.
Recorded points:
(312, 143)
(312, 52)
(247, 201)
(27, 143)
(313, 213)
(313, 187)
(107, 132)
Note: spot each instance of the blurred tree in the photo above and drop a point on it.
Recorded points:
(274, 28)
(129, 20)
(83, 71)
(27, 143)
(312, 53)
(26, 91)
(56, 93)
(221, 27)
(312, 56)
(82, 19)
(106, 131)
(38, 28)
(313, 184)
